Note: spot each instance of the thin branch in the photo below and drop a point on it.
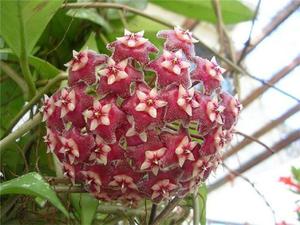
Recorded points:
(24, 128)
(167, 210)
(263, 130)
(196, 208)
(123, 18)
(167, 24)
(254, 139)
(14, 76)
(248, 42)
(34, 100)
(114, 209)
(152, 213)
(254, 188)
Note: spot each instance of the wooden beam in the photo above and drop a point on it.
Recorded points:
(277, 77)
(279, 18)
(294, 136)
(271, 125)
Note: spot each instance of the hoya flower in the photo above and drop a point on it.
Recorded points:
(162, 188)
(204, 165)
(232, 108)
(123, 182)
(209, 73)
(146, 106)
(152, 160)
(83, 66)
(185, 100)
(76, 146)
(171, 68)
(48, 108)
(132, 45)
(179, 39)
(127, 139)
(92, 179)
(51, 140)
(98, 115)
(114, 72)
(103, 152)
(116, 78)
(66, 102)
(149, 103)
(184, 150)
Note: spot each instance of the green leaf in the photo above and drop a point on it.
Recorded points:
(44, 68)
(86, 207)
(32, 184)
(32, 15)
(296, 173)
(202, 202)
(91, 15)
(11, 102)
(113, 14)
(91, 42)
(233, 11)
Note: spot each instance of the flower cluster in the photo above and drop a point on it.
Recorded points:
(127, 140)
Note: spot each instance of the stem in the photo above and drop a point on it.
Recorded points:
(112, 209)
(196, 206)
(172, 204)
(153, 213)
(24, 59)
(34, 100)
(14, 76)
(20, 131)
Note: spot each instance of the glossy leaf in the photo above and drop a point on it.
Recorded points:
(43, 68)
(91, 15)
(296, 173)
(32, 184)
(27, 17)
(86, 207)
(233, 11)
(114, 14)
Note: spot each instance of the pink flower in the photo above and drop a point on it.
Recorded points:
(179, 39)
(98, 114)
(132, 45)
(149, 102)
(67, 102)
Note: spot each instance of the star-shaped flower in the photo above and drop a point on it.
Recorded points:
(79, 60)
(92, 180)
(209, 72)
(66, 101)
(83, 66)
(51, 140)
(146, 106)
(186, 100)
(132, 131)
(48, 108)
(116, 78)
(132, 40)
(69, 171)
(69, 149)
(152, 160)
(98, 115)
(123, 182)
(114, 71)
(149, 103)
(162, 188)
(214, 110)
(179, 39)
(171, 68)
(104, 153)
(132, 45)
(232, 108)
(184, 150)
